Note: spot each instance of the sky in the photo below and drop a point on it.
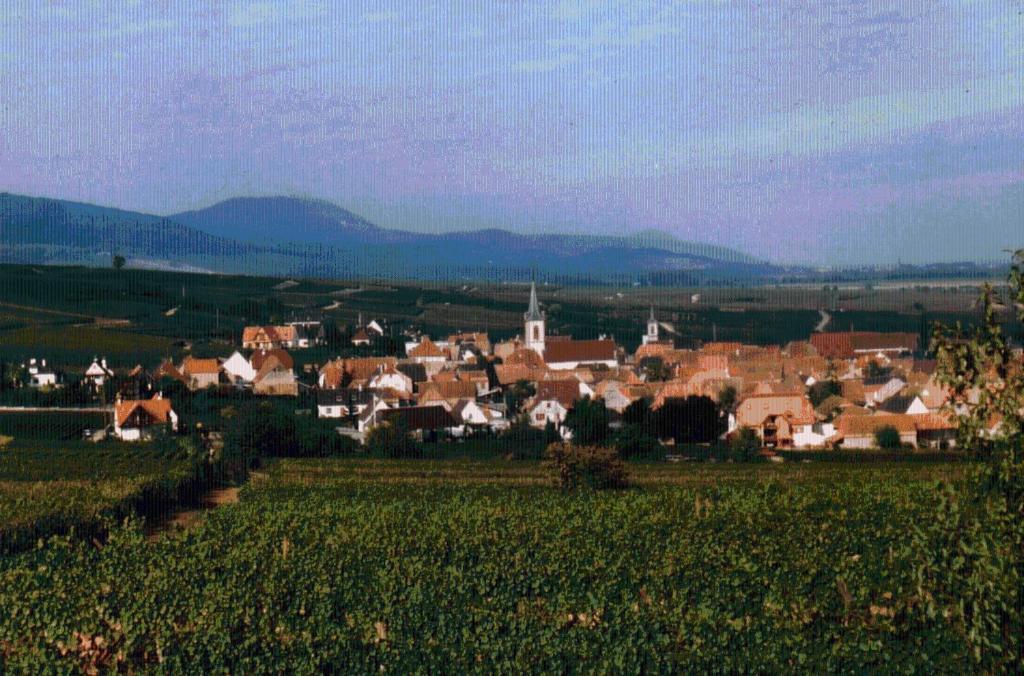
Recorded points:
(800, 132)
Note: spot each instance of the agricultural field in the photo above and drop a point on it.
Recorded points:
(49, 488)
(50, 424)
(401, 566)
(142, 316)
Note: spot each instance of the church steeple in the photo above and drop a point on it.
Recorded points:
(533, 313)
(651, 336)
(534, 323)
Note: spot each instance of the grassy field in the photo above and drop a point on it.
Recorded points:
(132, 316)
(400, 566)
(49, 488)
(49, 424)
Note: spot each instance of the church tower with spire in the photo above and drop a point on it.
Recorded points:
(651, 336)
(534, 323)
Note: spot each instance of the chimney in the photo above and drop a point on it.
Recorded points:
(103, 363)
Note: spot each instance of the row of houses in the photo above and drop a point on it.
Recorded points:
(833, 389)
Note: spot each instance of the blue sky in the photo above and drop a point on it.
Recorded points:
(810, 132)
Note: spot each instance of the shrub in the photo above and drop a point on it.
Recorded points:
(745, 444)
(634, 440)
(595, 467)
(588, 421)
(392, 440)
(888, 437)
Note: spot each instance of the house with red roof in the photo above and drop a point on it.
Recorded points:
(553, 401)
(141, 419)
(781, 420)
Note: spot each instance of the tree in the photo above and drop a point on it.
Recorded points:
(971, 552)
(691, 420)
(745, 444)
(588, 421)
(727, 399)
(635, 440)
(392, 440)
(517, 394)
(822, 390)
(888, 437)
(654, 369)
(638, 413)
(118, 261)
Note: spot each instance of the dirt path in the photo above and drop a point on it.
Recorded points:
(186, 518)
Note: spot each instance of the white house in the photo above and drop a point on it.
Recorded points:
(473, 414)
(812, 435)
(97, 374)
(140, 419)
(39, 375)
(388, 377)
(239, 369)
(342, 403)
(368, 418)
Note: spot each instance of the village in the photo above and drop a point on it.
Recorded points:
(848, 390)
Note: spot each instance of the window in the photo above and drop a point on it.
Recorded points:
(539, 417)
(536, 332)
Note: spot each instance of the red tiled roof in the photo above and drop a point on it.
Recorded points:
(560, 351)
(191, 366)
(260, 356)
(524, 357)
(565, 392)
(752, 411)
(426, 348)
(158, 410)
(865, 425)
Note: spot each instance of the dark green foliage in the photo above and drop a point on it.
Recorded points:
(636, 441)
(525, 442)
(822, 390)
(654, 369)
(745, 444)
(887, 438)
(588, 421)
(118, 261)
(727, 399)
(392, 440)
(517, 394)
(691, 420)
(573, 466)
(971, 567)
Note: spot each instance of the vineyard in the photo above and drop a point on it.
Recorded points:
(403, 566)
(50, 488)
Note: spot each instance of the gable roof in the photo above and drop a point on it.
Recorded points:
(344, 397)
(274, 334)
(563, 351)
(426, 348)
(565, 392)
(866, 425)
(260, 356)
(167, 369)
(417, 373)
(753, 410)
(524, 356)
(419, 417)
(157, 409)
(271, 365)
(191, 366)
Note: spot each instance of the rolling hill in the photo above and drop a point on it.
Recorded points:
(294, 236)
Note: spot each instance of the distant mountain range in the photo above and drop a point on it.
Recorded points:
(289, 236)
(294, 236)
